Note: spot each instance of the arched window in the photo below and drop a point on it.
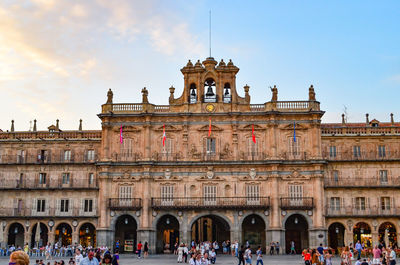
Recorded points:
(227, 93)
(193, 93)
(210, 87)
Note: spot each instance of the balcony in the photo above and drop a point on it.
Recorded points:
(298, 203)
(193, 203)
(48, 159)
(363, 156)
(338, 129)
(34, 183)
(367, 182)
(128, 204)
(46, 135)
(24, 212)
(350, 211)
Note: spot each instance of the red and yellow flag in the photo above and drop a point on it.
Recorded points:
(164, 136)
(209, 129)
(252, 133)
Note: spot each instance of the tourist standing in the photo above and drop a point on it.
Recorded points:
(139, 249)
(90, 259)
(180, 253)
(328, 257)
(115, 258)
(259, 256)
(359, 249)
(106, 260)
(213, 256)
(78, 257)
(376, 252)
(19, 258)
(392, 256)
(307, 257)
(277, 247)
(271, 248)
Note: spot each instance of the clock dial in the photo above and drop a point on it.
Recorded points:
(210, 108)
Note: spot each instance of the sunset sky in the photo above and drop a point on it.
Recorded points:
(59, 57)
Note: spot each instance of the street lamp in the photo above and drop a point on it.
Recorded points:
(362, 230)
(16, 230)
(126, 220)
(337, 230)
(253, 221)
(296, 221)
(167, 221)
(87, 230)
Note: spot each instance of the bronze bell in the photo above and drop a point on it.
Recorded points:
(193, 93)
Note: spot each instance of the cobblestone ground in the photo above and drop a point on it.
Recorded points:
(171, 259)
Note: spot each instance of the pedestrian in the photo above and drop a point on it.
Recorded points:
(139, 249)
(359, 249)
(346, 259)
(146, 250)
(213, 256)
(19, 258)
(115, 258)
(259, 256)
(307, 257)
(247, 255)
(106, 260)
(277, 248)
(271, 248)
(90, 259)
(328, 257)
(180, 253)
(392, 256)
(185, 252)
(292, 248)
(240, 255)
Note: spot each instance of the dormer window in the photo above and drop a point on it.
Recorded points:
(374, 123)
(193, 94)
(210, 87)
(227, 93)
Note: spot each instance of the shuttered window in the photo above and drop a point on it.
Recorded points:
(252, 147)
(167, 149)
(210, 145)
(385, 203)
(294, 146)
(210, 194)
(88, 205)
(167, 195)
(125, 195)
(64, 205)
(65, 178)
(296, 194)
(253, 194)
(360, 204)
(40, 205)
(127, 148)
(383, 176)
(335, 203)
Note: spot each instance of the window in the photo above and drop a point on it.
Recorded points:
(356, 151)
(210, 195)
(335, 204)
(382, 151)
(64, 205)
(20, 156)
(167, 195)
(252, 147)
(43, 156)
(65, 178)
(88, 205)
(125, 195)
(126, 148)
(67, 155)
(296, 194)
(385, 203)
(383, 176)
(42, 178)
(253, 194)
(332, 151)
(335, 174)
(294, 146)
(91, 178)
(90, 155)
(360, 204)
(41, 206)
(167, 149)
(210, 148)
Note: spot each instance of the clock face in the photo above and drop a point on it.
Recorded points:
(210, 107)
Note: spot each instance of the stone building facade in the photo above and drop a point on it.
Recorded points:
(208, 166)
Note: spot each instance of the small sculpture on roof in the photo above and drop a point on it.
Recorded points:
(274, 93)
(109, 96)
(145, 93)
(311, 93)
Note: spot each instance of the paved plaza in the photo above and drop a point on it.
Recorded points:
(171, 259)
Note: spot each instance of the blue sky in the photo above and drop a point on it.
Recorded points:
(58, 58)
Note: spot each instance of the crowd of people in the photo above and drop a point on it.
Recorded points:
(380, 255)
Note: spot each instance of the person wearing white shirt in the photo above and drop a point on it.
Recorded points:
(78, 257)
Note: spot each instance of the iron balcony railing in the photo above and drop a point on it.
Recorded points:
(47, 159)
(361, 156)
(49, 183)
(125, 204)
(366, 182)
(187, 203)
(297, 203)
(361, 211)
(47, 212)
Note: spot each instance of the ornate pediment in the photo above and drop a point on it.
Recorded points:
(295, 175)
(126, 177)
(128, 128)
(167, 176)
(290, 126)
(168, 128)
(249, 127)
(210, 175)
(214, 128)
(252, 176)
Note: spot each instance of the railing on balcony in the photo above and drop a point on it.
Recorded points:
(125, 204)
(47, 159)
(297, 203)
(366, 182)
(47, 212)
(50, 183)
(93, 135)
(362, 156)
(330, 130)
(188, 203)
(361, 211)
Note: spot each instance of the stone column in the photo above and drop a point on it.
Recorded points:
(375, 237)
(75, 236)
(51, 236)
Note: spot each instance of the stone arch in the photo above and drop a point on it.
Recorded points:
(336, 233)
(194, 219)
(387, 233)
(86, 222)
(87, 234)
(297, 236)
(362, 231)
(117, 216)
(308, 218)
(10, 224)
(210, 227)
(167, 233)
(253, 227)
(18, 238)
(161, 215)
(262, 216)
(124, 232)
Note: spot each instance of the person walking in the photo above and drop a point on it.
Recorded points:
(359, 249)
(180, 253)
(346, 259)
(139, 249)
(247, 255)
(259, 256)
(240, 255)
(146, 250)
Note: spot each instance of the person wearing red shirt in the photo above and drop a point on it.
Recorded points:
(307, 258)
(139, 249)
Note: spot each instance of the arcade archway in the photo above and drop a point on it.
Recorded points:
(126, 233)
(253, 231)
(296, 231)
(387, 234)
(210, 228)
(167, 234)
(362, 232)
(39, 236)
(16, 235)
(63, 234)
(336, 235)
(87, 235)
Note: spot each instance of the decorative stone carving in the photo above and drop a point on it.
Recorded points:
(226, 152)
(311, 93)
(274, 93)
(252, 173)
(109, 96)
(193, 152)
(145, 93)
(210, 173)
(167, 174)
